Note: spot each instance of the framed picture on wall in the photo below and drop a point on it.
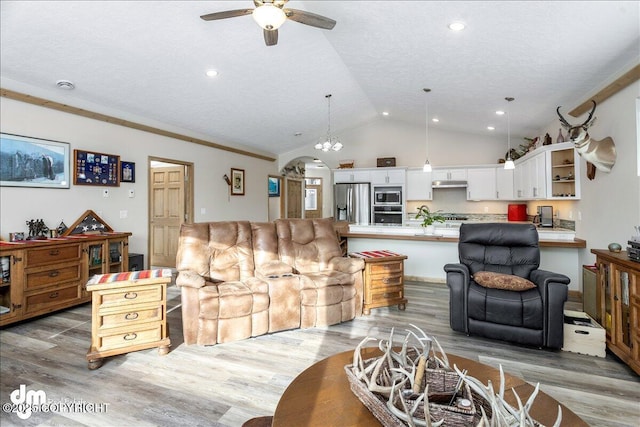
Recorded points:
(127, 172)
(237, 182)
(33, 162)
(93, 168)
(274, 186)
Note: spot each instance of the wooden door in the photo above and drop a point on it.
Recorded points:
(168, 212)
(313, 198)
(294, 197)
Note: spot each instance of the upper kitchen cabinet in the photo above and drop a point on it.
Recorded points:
(450, 174)
(530, 177)
(564, 171)
(419, 185)
(550, 172)
(504, 183)
(481, 183)
(388, 176)
(351, 175)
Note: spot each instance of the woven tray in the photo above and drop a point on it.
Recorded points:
(440, 381)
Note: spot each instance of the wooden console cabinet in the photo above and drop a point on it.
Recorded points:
(383, 280)
(42, 276)
(619, 311)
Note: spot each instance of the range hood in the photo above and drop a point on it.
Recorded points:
(449, 184)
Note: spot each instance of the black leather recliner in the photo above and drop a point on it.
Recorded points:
(531, 317)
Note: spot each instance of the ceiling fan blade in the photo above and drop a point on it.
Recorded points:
(309, 18)
(226, 14)
(270, 37)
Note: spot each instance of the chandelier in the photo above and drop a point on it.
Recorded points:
(508, 164)
(329, 143)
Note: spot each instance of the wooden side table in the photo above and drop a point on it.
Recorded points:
(383, 279)
(128, 313)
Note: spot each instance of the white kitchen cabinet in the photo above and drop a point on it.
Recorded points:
(388, 176)
(530, 177)
(351, 175)
(481, 183)
(450, 174)
(504, 183)
(419, 185)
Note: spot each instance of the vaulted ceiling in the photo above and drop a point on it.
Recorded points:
(145, 61)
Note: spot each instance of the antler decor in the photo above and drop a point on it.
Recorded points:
(411, 384)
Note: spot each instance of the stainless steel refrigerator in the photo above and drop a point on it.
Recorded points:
(352, 202)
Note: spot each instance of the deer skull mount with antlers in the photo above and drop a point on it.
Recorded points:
(598, 154)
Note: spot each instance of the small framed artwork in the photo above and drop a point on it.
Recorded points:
(92, 168)
(33, 162)
(127, 172)
(274, 186)
(237, 182)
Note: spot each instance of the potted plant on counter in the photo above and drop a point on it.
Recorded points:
(428, 218)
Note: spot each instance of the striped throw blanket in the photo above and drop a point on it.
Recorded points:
(129, 276)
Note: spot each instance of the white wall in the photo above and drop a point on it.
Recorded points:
(610, 204)
(19, 204)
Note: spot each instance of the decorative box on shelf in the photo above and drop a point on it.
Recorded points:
(583, 335)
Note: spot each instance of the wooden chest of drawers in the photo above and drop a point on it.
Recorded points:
(384, 282)
(128, 315)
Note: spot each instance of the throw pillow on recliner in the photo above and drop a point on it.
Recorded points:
(508, 282)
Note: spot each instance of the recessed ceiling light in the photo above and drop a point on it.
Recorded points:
(435, 120)
(297, 134)
(317, 160)
(500, 113)
(491, 128)
(456, 26)
(385, 113)
(65, 84)
(211, 73)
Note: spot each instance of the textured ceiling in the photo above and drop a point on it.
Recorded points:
(145, 61)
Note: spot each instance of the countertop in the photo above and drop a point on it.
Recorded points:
(449, 232)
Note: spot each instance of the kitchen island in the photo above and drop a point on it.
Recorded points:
(427, 254)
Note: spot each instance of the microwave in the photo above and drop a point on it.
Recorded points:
(387, 196)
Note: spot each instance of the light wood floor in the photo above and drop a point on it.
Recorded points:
(227, 384)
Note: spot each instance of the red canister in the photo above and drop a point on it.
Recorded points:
(517, 212)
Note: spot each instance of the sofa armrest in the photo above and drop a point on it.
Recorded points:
(346, 265)
(273, 269)
(554, 293)
(190, 279)
(458, 283)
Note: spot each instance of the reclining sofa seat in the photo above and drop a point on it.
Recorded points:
(242, 279)
(532, 317)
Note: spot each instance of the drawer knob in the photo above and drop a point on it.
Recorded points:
(131, 316)
(54, 252)
(54, 273)
(131, 295)
(53, 295)
(131, 336)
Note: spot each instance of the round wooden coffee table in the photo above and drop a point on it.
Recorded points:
(321, 396)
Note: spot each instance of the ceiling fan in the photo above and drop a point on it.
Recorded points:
(270, 15)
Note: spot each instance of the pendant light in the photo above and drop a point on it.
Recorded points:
(508, 164)
(330, 143)
(427, 165)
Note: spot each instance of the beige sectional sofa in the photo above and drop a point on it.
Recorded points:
(241, 279)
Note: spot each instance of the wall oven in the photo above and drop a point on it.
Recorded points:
(387, 215)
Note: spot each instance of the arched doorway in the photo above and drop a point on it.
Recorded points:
(306, 187)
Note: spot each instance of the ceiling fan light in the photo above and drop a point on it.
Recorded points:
(318, 146)
(269, 17)
(327, 144)
(337, 146)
